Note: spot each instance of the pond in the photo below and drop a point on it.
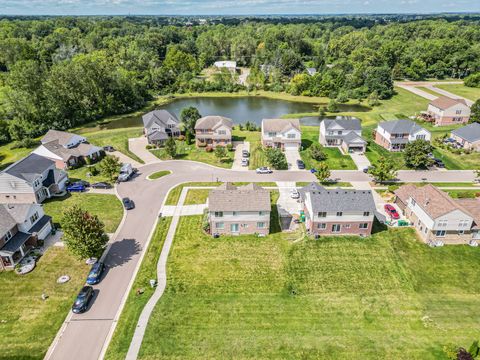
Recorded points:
(239, 109)
(316, 120)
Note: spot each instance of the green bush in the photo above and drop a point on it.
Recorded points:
(25, 143)
(230, 147)
(316, 152)
(392, 188)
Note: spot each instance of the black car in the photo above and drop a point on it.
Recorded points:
(101, 185)
(83, 299)
(300, 164)
(82, 182)
(95, 273)
(128, 204)
(438, 163)
(109, 148)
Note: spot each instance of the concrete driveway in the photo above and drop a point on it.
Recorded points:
(286, 206)
(292, 156)
(237, 160)
(360, 160)
(138, 147)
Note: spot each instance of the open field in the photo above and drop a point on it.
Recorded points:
(196, 196)
(247, 297)
(462, 90)
(29, 324)
(106, 206)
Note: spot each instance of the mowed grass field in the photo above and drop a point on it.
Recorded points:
(385, 297)
(462, 90)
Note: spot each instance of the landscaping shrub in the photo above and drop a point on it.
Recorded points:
(276, 158)
(209, 148)
(25, 143)
(392, 188)
(181, 137)
(230, 147)
(316, 152)
(93, 170)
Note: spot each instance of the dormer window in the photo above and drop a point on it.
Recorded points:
(36, 182)
(34, 218)
(272, 134)
(322, 214)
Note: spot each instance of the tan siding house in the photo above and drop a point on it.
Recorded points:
(448, 111)
(213, 131)
(281, 133)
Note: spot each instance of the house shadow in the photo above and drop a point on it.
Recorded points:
(121, 252)
(378, 227)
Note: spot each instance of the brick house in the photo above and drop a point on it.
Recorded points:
(395, 135)
(241, 210)
(281, 133)
(448, 111)
(213, 131)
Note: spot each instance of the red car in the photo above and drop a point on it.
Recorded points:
(392, 212)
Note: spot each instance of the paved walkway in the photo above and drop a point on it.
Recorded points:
(286, 206)
(237, 160)
(184, 210)
(360, 160)
(138, 147)
(412, 86)
(450, 95)
(125, 159)
(418, 91)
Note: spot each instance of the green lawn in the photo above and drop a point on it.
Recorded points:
(197, 196)
(29, 324)
(81, 174)
(462, 194)
(388, 296)
(458, 161)
(158, 174)
(335, 159)
(462, 90)
(9, 156)
(191, 152)
(106, 206)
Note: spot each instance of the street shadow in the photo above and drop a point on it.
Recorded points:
(121, 252)
(92, 300)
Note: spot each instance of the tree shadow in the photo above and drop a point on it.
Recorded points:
(306, 143)
(238, 138)
(121, 252)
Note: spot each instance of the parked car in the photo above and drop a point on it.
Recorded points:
(245, 162)
(300, 164)
(367, 169)
(108, 148)
(126, 172)
(245, 153)
(294, 194)
(101, 185)
(263, 170)
(76, 188)
(128, 203)
(83, 299)
(82, 182)
(95, 273)
(390, 210)
(438, 163)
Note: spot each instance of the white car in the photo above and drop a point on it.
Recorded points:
(245, 162)
(264, 170)
(294, 194)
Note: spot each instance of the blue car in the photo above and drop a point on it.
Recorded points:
(95, 273)
(76, 188)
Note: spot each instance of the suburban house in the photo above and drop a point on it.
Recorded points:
(435, 215)
(468, 136)
(344, 133)
(226, 64)
(67, 149)
(159, 125)
(281, 133)
(395, 135)
(31, 180)
(447, 111)
(213, 131)
(241, 210)
(21, 226)
(337, 211)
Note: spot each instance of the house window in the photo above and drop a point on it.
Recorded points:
(272, 134)
(34, 217)
(336, 228)
(461, 232)
(261, 213)
(218, 213)
(234, 228)
(220, 225)
(346, 226)
(291, 136)
(234, 213)
(222, 132)
(442, 223)
(322, 214)
(260, 225)
(463, 223)
(458, 112)
(366, 213)
(339, 213)
(8, 235)
(340, 132)
(413, 202)
(363, 226)
(440, 233)
(421, 137)
(36, 183)
(321, 226)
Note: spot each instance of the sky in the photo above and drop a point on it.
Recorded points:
(231, 7)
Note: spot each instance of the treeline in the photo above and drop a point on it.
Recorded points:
(65, 71)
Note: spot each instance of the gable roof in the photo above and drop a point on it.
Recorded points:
(81, 150)
(161, 117)
(62, 137)
(470, 133)
(29, 167)
(401, 127)
(345, 124)
(473, 208)
(444, 102)
(213, 122)
(280, 125)
(353, 138)
(228, 197)
(13, 214)
(404, 191)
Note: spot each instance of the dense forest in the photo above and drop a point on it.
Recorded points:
(64, 71)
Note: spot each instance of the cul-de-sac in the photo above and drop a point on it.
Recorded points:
(271, 180)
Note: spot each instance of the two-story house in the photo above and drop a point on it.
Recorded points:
(159, 125)
(337, 211)
(31, 180)
(241, 210)
(21, 226)
(281, 133)
(344, 133)
(214, 131)
(435, 215)
(67, 149)
(396, 134)
(468, 136)
(447, 111)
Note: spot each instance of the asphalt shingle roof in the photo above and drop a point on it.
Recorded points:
(444, 102)
(400, 127)
(346, 124)
(162, 117)
(29, 167)
(280, 125)
(228, 197)
(470, 133)
(212, 122)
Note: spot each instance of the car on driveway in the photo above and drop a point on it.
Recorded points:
(101, 185)
(82, 182)
(390, 210)
(294, 194)
(245, 162)
(263, 170)
(76, 188)
(128, 203)
(300, 164)
(245, 153)
(83, 299)
(108, 148)
(95, 273)
(438, 163)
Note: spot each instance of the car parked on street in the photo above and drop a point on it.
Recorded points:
(76, 188)
(128, 203)
(263, 170)
(101, 185)
(300, 164)
(80, 304)
(95, 274)
(391, 211)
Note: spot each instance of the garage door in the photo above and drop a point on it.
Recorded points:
(291, 146)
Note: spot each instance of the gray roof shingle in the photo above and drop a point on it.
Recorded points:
(280, 125)
(29, 167)
(228, 197)
(212, 122)
(470, 133)
(162, 117)
(400, 127)
(346, 124)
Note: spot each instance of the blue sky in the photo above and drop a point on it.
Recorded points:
(231, 7)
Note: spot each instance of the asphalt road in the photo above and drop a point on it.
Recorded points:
(86, 336)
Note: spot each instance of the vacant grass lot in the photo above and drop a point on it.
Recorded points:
(385, 297)
(458, 161)
(462, 90)
(197, 196)
(106, 206)
(28, 324)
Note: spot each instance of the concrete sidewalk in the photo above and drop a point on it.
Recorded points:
(185, 210)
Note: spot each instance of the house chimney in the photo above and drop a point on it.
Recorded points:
(427, 202)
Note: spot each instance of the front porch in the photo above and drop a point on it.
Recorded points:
(16, 249)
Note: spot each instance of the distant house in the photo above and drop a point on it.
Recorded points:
(226, 64)
(67, 149)
(435, 215)
(395, 135)
(448, 111)
(159, 125)
(31, 180)
(338, 211)
(21, 226)
(468, 136)
(213, 131)
(311, 71)
(281, 133)
(343, 133)
(239, 210)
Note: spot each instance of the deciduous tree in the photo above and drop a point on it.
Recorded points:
(323, 172)
(110, 166)
(383, 170)
(416, 154)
